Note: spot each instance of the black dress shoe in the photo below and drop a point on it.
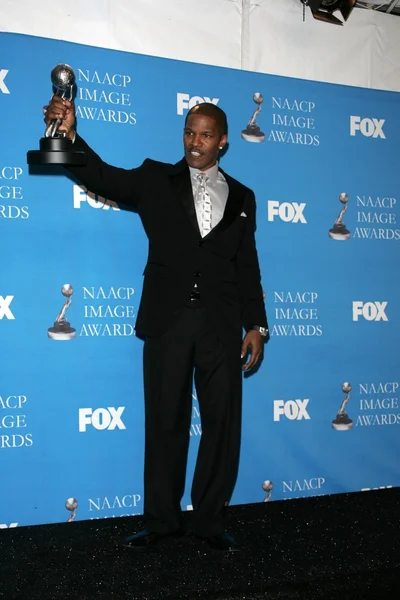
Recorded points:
(148, 538)
(223, 542)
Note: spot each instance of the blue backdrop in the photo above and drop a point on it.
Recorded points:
(71, 413)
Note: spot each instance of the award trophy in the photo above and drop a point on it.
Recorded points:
(253, 133)
(55, 148)
(339, 231)
(62, 330)
(71, 505)
(267, 486)
(342, 422)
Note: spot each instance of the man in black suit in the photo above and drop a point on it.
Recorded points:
(202, 286)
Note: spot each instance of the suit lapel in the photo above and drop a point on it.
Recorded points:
(233, 205)
(182, 188)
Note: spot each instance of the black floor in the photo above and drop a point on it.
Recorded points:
(342, 546)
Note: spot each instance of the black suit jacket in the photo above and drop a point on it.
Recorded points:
(224, 263)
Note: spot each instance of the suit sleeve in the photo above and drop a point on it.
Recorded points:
(120, 185)
(249, 276)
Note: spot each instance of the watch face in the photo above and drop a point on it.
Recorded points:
(262, 330)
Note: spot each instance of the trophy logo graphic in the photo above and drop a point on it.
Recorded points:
(62, 329)
(339, 230)
(267, 486)
(342, 422)
(55, 148)
(71, 505)
(253, 133)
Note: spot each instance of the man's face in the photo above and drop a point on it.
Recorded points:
(202, 140)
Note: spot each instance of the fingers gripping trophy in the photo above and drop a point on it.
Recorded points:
(61, 329)
(253, 133)
(56, 147)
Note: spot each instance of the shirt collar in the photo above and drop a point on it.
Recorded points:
(212, 173)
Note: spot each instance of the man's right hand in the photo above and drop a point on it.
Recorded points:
(61, 109)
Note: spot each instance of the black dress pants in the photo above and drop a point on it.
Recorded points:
(190, 347)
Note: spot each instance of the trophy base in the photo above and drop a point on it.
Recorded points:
(342, 423)
(254, 135)
(61, 332)
(339, 232)
(56, 151)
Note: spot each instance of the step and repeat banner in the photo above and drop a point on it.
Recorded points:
(321, 414)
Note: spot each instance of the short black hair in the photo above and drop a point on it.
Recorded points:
(210, 110)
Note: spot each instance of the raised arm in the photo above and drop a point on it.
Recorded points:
(120, 185)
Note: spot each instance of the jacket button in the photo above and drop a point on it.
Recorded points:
(200, 243)
(197, 274)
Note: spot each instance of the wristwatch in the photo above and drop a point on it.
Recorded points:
(263, 330)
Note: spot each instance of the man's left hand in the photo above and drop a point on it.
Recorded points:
(253, 340)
